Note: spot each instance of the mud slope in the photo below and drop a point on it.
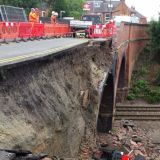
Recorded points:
(49, 106)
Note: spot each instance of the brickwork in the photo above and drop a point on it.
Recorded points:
(130, 40)
(122, 9)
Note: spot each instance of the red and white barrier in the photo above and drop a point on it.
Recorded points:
(102, 31)
(9, 31)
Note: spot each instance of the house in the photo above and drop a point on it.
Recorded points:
(109, 8)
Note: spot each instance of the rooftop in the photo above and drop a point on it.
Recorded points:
(105, 6)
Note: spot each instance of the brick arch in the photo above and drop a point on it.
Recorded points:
(104, 122)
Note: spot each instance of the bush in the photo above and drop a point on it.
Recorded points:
(131, 96)
(141, 84)
(138, 90)
(154, 35)
(153, 96)
(141, 89)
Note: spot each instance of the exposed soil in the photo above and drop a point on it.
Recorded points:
(51, 106)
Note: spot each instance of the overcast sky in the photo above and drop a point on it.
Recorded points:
(148, 8)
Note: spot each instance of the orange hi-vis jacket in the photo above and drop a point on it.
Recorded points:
(32, 17)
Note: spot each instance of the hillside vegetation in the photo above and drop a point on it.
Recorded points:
(146, 75)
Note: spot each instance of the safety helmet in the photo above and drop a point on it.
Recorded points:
(111, 21)
(56, 14)
(53, 12)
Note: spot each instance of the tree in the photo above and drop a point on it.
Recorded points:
(26, 4)
(75, 8)
(60, 5)
(72, 8)
(154, 33)
(49, 3)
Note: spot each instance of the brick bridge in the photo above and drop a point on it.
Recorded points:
(130, 41)
(44, 100)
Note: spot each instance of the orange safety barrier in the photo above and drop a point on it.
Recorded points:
(25, 30)
(9, 31)
(1, 30)
(49, 30)
(57, 30)
(37, 30)
(66, 29)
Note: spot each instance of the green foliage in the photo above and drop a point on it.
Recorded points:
(141, 85)
(73, 8)
(138, 90)
(142, 89)
(131, 96)
(140, 72)
(154, 33)
(153, 96)
(60, 5)
(26, 4)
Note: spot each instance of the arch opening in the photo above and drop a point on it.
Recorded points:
(121, 79)
(121, 90)
(104, 122)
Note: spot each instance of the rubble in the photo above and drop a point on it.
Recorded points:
(132, 140)
(125, 140)
(21, 155)
(139, 157)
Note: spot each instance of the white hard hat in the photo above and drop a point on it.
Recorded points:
(53, 12)
(111, 21)
(56, 14)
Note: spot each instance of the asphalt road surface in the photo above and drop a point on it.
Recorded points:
(24, 51)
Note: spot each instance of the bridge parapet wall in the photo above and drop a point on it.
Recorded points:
(130, 31)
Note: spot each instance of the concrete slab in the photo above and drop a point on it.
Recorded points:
(24, 51)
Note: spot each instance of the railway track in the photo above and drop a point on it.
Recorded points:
(137, 112)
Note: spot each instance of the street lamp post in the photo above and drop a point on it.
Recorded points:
(61, 13)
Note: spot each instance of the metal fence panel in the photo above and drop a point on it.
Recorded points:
(12, 14)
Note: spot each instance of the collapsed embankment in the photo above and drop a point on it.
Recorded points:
(50, 106)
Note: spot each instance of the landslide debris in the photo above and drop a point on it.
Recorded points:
(137, 139)
(51, 105)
